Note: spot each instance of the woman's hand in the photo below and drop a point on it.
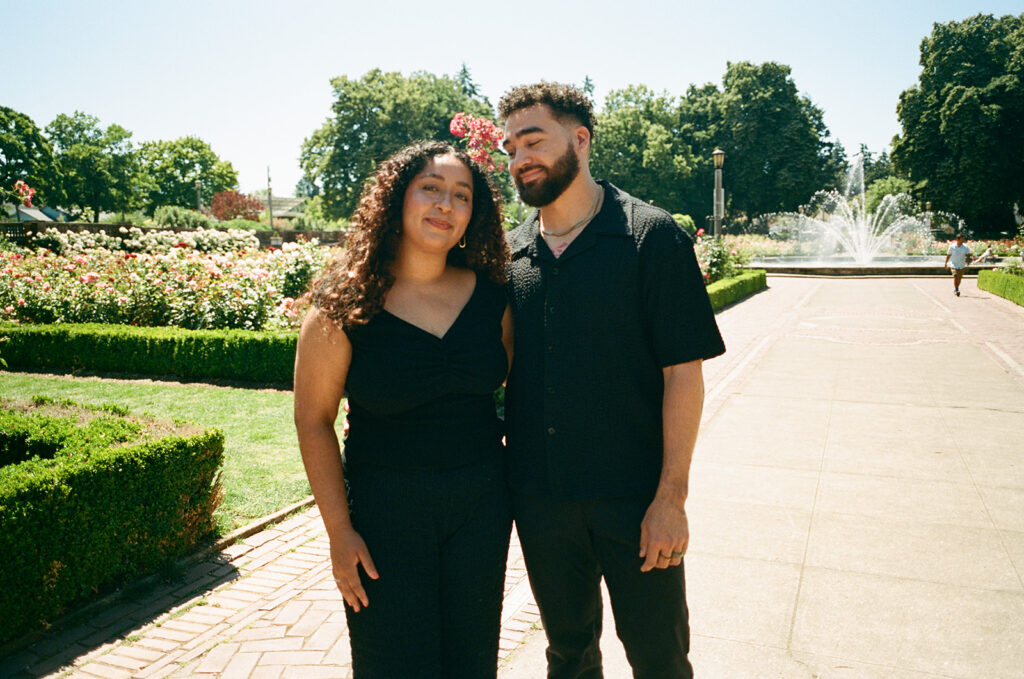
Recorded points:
(348, 551)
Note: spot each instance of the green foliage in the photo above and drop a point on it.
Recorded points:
(1003, 283)
(777, 147)
(174, 217)
(371, 118)
(247, 224)
(730, 290)
(638, 146)
(314, 217)
(885, 186)
(685, 221)
(244, 355)
(137, 217)
(100, 167)
(963, 123)
(778, 150)
(87, 500)
(27, 155)
(717, 258)
(173, 167)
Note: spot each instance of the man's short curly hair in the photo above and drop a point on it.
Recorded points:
(565, 101)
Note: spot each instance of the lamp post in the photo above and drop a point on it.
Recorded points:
(719, 157)
(199, 195)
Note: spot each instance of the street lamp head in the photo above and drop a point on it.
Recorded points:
(719, 157)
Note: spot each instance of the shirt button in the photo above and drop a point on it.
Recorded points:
(551, 430)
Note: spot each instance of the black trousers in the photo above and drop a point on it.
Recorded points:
(568, 547)
(439, 540)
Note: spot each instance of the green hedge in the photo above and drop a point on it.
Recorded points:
(725, 292)
(197, 354)
(1008, 285)
(89, 498)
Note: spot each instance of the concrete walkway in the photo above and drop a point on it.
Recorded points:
(857, 510)
(857, 495)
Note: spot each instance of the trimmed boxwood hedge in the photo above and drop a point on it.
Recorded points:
(244, 355)
(196, 354)
(1008, 285)
(89, 497)
(725, 292)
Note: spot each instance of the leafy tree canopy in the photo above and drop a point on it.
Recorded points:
(99, 165)
(637, 146)
(963, 123)
(777, 146)
(372, 117)
(26, 154)
(173, 167)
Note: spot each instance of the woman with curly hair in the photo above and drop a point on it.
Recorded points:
(412, 325)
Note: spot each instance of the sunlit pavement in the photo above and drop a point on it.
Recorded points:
(857, 494)
(856, 510)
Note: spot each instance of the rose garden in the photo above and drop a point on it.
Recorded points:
(145, 412)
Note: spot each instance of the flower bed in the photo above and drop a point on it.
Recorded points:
(180, 287)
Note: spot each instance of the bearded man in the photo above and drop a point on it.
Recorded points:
(604, 399)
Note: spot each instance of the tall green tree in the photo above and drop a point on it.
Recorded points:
(637, 146)
(963, 123)
(100, 166)
(27, 155)
(173, 167)
(372, 117)
(778, 149)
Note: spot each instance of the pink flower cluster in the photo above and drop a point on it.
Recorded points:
(24, 192)
(482, 139)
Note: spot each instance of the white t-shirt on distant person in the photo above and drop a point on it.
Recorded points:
(958, 255)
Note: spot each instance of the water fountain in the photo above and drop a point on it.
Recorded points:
(835, 233)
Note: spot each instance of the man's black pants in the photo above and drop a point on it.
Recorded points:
(568, 548)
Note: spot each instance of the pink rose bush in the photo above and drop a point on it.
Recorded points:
(182, 287)
(483, 139)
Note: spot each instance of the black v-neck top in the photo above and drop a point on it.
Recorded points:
(418, 401)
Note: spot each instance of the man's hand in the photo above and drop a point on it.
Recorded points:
(664, 534)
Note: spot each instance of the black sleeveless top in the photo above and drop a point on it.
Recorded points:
(417, 401)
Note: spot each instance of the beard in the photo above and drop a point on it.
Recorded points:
(544, 191)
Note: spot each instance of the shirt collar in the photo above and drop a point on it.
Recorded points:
(614, 219)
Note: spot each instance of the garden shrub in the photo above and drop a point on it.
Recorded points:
(685, 221)
(1003, 283)
(246, 224)
(725, 292)
(174, 217)
(242, 355)
(88, 499)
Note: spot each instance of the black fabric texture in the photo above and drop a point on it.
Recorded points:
(593, 330)
(422, 402)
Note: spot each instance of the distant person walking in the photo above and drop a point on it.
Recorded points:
(957, 258)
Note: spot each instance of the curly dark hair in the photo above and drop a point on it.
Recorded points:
(352, 287)
(565, 101)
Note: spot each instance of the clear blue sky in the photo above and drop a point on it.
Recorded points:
(252, 78)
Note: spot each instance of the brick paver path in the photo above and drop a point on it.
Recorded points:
(263, 608)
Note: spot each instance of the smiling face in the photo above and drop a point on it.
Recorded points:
(438, 205)
(543, 158)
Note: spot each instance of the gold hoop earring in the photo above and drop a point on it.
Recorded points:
(462, 241)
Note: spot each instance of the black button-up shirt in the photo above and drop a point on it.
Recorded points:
(593, 330)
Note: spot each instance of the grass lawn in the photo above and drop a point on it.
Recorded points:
(262, 467)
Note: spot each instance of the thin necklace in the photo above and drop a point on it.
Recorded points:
(593, 213)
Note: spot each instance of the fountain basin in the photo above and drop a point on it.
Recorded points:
(906, 265)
